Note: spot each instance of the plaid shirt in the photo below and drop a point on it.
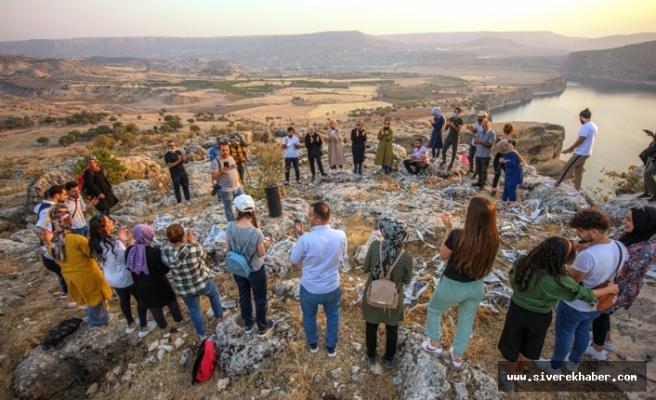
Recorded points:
(188, 270)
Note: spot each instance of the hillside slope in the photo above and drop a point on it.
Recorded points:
(634, 63)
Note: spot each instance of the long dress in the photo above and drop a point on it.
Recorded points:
(436, 136)
(97, 183)
(385, 151)
(154, 289)
(335, 148)
(358, 145)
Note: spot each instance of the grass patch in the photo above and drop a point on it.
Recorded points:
(230, 86)
(373, 83)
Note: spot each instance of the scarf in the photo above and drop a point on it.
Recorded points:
(143, 236)
(436, 112)
(644, 225)
(394, 235)
(61, 225)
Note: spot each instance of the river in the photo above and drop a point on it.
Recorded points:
(621, 112)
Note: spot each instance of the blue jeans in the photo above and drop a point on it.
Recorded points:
(257, 284)
(241, 173)
(227, 198)
(193, 304)
(181, 180)
(310, 305)
(98, 315)
(84, 231)
(571, 322)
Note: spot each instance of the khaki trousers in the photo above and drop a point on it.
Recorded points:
(575, 164)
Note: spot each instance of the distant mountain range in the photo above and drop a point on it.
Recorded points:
(633, 63)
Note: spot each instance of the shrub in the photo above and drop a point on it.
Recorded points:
(241, 127)
(269, 157)
(104, 142)
(113, 118)
(214, 129)
(43, 140)
(111, 166)
(191, 120)
(67, 140)
(194, 128)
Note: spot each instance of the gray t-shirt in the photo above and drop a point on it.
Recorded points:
(239, 237)
(487, 137)
(230, 181)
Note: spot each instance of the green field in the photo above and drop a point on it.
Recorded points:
(230, 87)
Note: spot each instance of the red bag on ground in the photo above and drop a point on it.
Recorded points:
(205, 362)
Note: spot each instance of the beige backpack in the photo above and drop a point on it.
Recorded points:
(383, 293)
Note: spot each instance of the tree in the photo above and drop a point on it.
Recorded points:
(43, 140)
(113, 118)
(191, 120)
(194, 128)
(104, 142)
(132, 128)
(165, 128)
(175, 124)
(138, 116)
(111, 166)
(67, 140)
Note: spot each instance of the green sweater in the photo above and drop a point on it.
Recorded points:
(544, 292)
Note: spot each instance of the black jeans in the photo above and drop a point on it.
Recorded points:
(453, 143)
(319, 164)
(498, 167)
(52, 266)
(158, 314)
(288, 163)
(257, 284)
(181, 180)
(390, 343)
(600, 328)
(413, 168)
(124, 295)
(482, 166)
(472, 155)
(357, 168)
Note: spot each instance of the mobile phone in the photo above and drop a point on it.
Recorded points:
(35, 228)
(226, 164)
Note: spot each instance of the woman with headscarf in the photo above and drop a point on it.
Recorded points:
(436, 143)
(149, 276)
(639, 227)
(109, 251)
(86, 283)
(358, 140)
(385, 150)
(98, 187)
(335, 148)
(514, 166)
(381, 257)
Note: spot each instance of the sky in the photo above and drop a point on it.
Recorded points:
(60, 19)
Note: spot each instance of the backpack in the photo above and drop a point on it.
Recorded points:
(608, 300)
(205, 362)
(383, 293)
(80, 184)
(236, 263)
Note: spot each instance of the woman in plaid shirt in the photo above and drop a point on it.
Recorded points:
(191, 277)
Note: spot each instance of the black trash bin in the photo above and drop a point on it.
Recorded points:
(273, 200)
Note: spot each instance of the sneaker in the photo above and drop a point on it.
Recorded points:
(550, 185)
(332, 351)
(166, 332)
(249, 329)
(477, 184)
(312, 180)
(286, 183)
(182, 323)
(314, 348)
(597, 355)
(493, 192)
(545, 365)
(507, 385)
(72, 304)
(609, 345)
(298, 181)
(131, 328)
(644, 196)
(573, 193)
(324, 174)
(456, 361)
(389, 364)
(652, 199)
(149, 328)
(264, 333)
(443, 163)
(372, 361)
(431, 349)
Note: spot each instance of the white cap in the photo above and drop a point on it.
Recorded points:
(244, 203)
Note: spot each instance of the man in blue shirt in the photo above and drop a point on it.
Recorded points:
(321, 251)
(484, 141)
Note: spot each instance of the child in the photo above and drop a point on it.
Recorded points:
(539, 280)
(512, 162)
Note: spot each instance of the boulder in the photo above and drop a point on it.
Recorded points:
(48, 178)
(134, 190)
(194, 152)
(617, 207)
(362, 250)
(407, 140)
(290, 288)
(12, 248)
(135, 209)
(140, 167)
(557, 199)
(277, 257)
(25, 236)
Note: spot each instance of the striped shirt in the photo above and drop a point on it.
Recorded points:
(188, 269)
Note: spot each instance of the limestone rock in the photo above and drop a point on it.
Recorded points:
(48, 178)
(25, 236)
(11, 248)
(179, 342)
(134, 190)
(222, 384)
(135, 209)
(165, 347)
(140, 167)
(277, 257)
(153, 346)
(617, 207)
(92, 389)
(362, 250)
(290, 288)
(336, 373)
(194, 152)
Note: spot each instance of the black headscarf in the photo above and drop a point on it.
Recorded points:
(644, 225)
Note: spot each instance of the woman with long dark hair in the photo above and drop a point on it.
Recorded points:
(639, 226)
(539, 280)
(358, 143)
(109, 251)
(470, 253)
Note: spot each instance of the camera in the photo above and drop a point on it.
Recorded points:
(215, 188)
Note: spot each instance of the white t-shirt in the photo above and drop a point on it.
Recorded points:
(588, 131)
(230, 181)
(290, 150)
(116, 274)
(76, 208)
(600, 263)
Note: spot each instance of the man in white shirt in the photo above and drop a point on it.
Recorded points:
(224, 170)
(76, 208)
(290, 145)
(598, 262)
(581, 151)
(321, 251)
(418, 160)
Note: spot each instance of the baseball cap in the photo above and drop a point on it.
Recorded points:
(244, 203)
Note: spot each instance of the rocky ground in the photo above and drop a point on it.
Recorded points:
(107, 364)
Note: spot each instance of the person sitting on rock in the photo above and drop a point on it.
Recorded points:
(513, 163)
(385, 150)
(239, 154)
(539, 280)
(98, 186)
(380, 258)
(508, 131)
(313, 144)
(149, 276)
(224, 170)
(419, 158)
(470, 253)
(191, 276)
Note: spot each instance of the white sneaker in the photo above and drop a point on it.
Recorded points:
(129, 329)
(149, 328)
(597, 355)
(456, 361)
(545, 365)
(609, 345)
(550, 185)
(571, 366)
(426, 345)
(573, 193)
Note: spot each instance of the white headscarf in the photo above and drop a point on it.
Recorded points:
(436, 111)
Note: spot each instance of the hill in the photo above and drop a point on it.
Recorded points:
(634, 63)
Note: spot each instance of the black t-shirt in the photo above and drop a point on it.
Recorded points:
(450, 271)
(171, 158)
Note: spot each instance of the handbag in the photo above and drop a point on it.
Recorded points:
(610, 299)
(383, 293)
(236, 263)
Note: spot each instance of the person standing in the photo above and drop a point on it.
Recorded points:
(245, 237)
(76, 208)
(224, 170)
(238, 153)
(214, 151)
(596, 265)
(382, 257)
(290, 145)
(418, 160)
(647, 156)
(385, 151)
(358, 141)
(477, 127)
(437, 123)
(508, 131)
(191, 276)
(513, 163)
(484, 141)
(639, 227)
(581, 151)
(175, 160)
(470, 253)
(335, 148)
(321, 251)
(313, 144)
(454, 125)
(97, 185)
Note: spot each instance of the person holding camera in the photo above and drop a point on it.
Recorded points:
(175, 160)
(224, 171)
